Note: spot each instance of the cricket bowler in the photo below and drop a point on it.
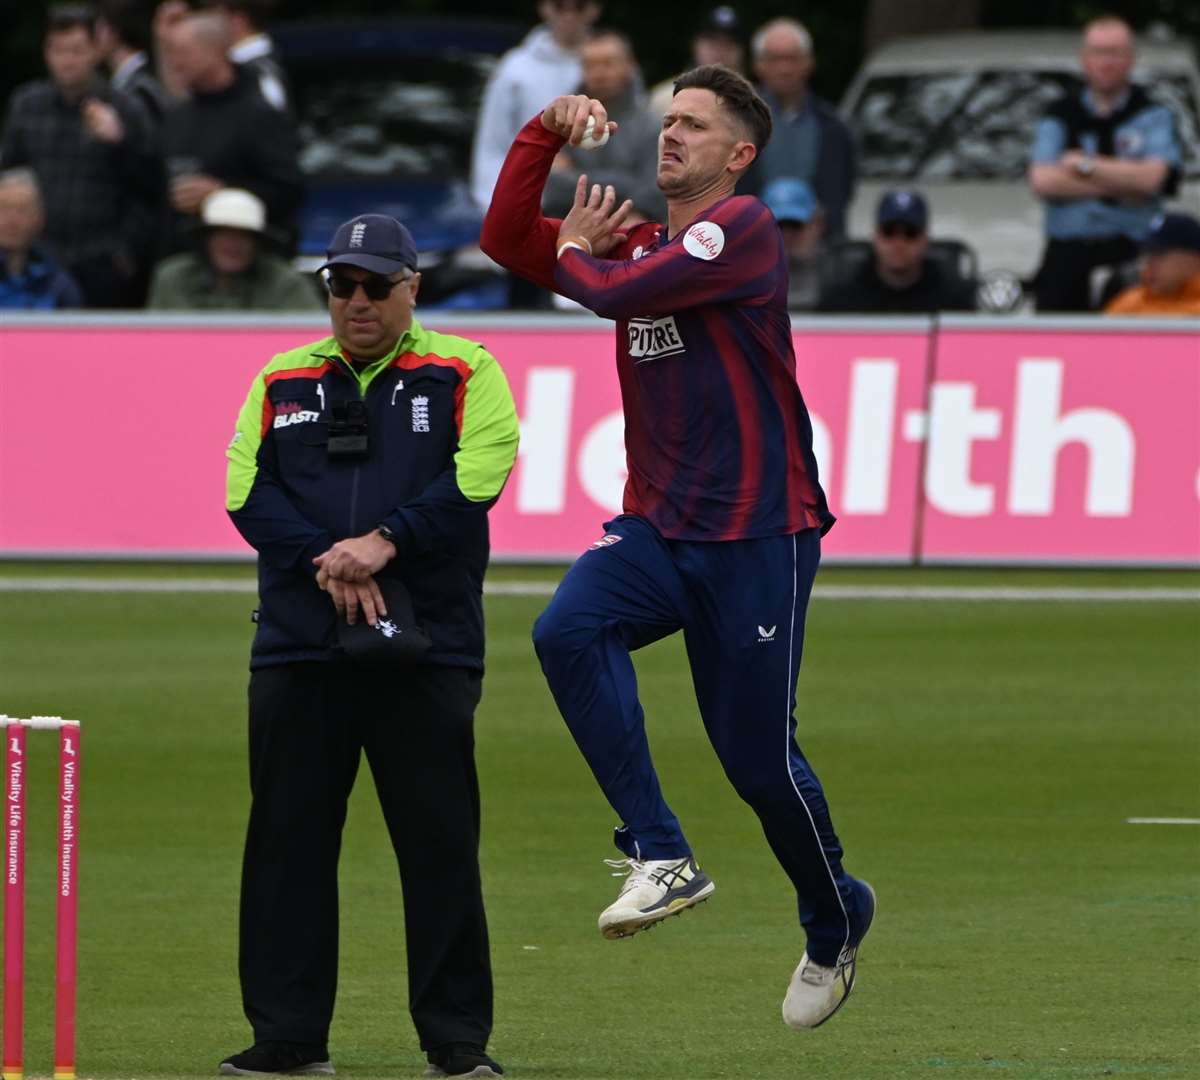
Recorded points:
(723, 514)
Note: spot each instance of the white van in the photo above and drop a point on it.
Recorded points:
(953, 116)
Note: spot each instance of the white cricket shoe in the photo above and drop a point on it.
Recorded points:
(816, 992)
(654, 890)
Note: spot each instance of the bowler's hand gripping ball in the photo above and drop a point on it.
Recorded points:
(589, 140)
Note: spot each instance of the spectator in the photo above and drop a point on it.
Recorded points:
(803, 227)
(123, 38)
(29, 278)
(167, 17)
(810, 141)
(629, 163)
(231, 272)
(1102, 160)
(226, 135)
(253, 49)
(717, 41)
(543, 66)
(1170, 271)
(901, 278)
(92, 152)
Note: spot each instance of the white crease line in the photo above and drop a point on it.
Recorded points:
(952, 593)
(128, 585)
(978, 593)
(1162, 821)
(520, 588)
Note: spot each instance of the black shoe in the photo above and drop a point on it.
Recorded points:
(462, 1059)
(272, 1058)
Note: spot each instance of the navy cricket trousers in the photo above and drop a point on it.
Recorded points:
(741, 606)
(310, 724)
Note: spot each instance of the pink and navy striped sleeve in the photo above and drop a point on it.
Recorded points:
(730, 256)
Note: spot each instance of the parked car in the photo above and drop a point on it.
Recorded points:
(954, 114)
(387, 112)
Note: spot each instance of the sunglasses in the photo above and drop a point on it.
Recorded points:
(909, 232)
(374, 287)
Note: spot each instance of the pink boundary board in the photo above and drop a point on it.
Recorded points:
(112, 438)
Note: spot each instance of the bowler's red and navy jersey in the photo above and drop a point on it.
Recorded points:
(717, 437)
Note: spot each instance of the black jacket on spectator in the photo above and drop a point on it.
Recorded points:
(258, 57)
(136, 79)
(236, 137)
(102, 201)
(934, 290)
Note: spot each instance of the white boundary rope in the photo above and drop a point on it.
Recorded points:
(948, 593)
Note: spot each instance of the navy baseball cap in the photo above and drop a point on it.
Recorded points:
(903, 207)
(790, 199)
(1173, 232)
(373, 242)
(721, 22)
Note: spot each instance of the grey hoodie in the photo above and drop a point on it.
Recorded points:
(525, 81)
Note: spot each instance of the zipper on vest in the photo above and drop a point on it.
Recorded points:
(357, 470)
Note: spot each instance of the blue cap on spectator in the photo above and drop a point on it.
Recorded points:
(903, 207)
(374, 242)
(790, 199)
(1173, 232)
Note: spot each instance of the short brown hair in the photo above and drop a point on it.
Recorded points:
(600, 33)
(63, 17)
(129, 20)
(737, 96)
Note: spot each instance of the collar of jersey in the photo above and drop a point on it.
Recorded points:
(1089, 101)
(368, 373)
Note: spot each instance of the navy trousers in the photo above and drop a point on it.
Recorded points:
(741, 607)
(310, 724)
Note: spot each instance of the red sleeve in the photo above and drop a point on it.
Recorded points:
(734, 254)
(514, 232)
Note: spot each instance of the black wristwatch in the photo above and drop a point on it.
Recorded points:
(389, 536)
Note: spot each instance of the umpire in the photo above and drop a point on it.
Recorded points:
(362, 471)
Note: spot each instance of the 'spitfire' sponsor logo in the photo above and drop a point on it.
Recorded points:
(705, 240)
(651, 338)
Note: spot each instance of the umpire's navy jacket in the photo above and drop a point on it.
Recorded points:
(442, 434)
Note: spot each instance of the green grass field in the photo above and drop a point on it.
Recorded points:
(981, 760)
